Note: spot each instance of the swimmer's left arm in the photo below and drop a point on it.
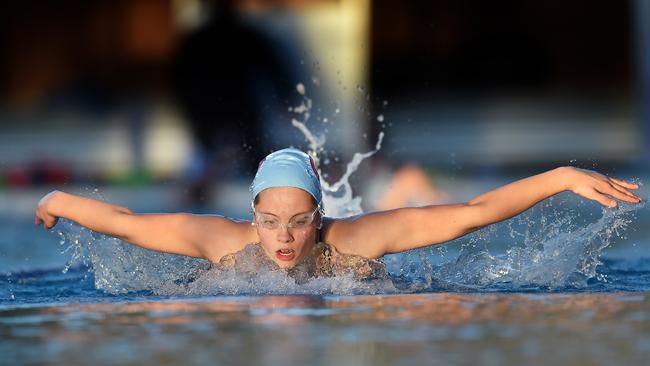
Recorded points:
(379, 233)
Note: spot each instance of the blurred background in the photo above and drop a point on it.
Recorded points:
(167, 105)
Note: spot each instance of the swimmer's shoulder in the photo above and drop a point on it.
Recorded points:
(218, 235)
(343, 236)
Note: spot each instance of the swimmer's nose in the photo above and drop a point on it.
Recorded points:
(284, 236)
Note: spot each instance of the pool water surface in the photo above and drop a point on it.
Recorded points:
(565, 283)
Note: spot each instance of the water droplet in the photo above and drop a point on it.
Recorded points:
(380, 118)
(300, 87)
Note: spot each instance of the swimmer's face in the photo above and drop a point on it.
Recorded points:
(286, 246)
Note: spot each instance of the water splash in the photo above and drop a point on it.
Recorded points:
(316, 143)
(557, 254)
(554, 252)
(120, 268)
(338, 198)
(546, 249)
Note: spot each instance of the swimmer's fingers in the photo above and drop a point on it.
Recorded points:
(51, 222)
(599, 197)
(38, 219)
(600, 188)
(623, 190)
(602, 192)
(620, 182)
(56, 219)
(48, 221)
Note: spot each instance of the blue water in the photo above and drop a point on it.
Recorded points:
(568, 282)
(51, 286)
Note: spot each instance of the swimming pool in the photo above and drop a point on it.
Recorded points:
(566, 283)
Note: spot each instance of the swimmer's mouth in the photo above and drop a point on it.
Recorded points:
(285, 254)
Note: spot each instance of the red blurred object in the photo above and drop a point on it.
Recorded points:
(42, 172)
(49, 172)
(17, 177)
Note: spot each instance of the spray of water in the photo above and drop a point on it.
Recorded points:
(553, 252)
(545, 250)
(338, 198)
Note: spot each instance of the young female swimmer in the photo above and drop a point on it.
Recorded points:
(288, 217)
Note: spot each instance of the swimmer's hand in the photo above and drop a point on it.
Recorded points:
(96, 215)
(598, 187)
(44, 214)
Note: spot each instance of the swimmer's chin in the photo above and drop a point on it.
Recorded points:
(285, 265)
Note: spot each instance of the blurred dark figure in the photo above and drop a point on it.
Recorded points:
(218, 75)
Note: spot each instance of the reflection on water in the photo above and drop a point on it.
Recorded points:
(596, 328)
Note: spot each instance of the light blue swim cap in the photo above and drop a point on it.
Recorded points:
(288, 168)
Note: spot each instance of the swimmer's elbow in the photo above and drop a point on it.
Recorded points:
(473, 217)
(124, 210)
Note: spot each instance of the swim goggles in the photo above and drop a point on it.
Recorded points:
(272, 222)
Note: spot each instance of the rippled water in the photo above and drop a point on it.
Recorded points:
(545, 287)
(486, 329)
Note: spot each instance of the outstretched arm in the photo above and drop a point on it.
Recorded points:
(378, 233)
(207, 237)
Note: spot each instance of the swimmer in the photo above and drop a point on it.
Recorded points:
(289, 223)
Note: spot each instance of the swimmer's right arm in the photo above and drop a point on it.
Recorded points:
(200, 236)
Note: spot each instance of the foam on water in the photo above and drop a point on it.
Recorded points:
(552, 250)
(555, 253)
